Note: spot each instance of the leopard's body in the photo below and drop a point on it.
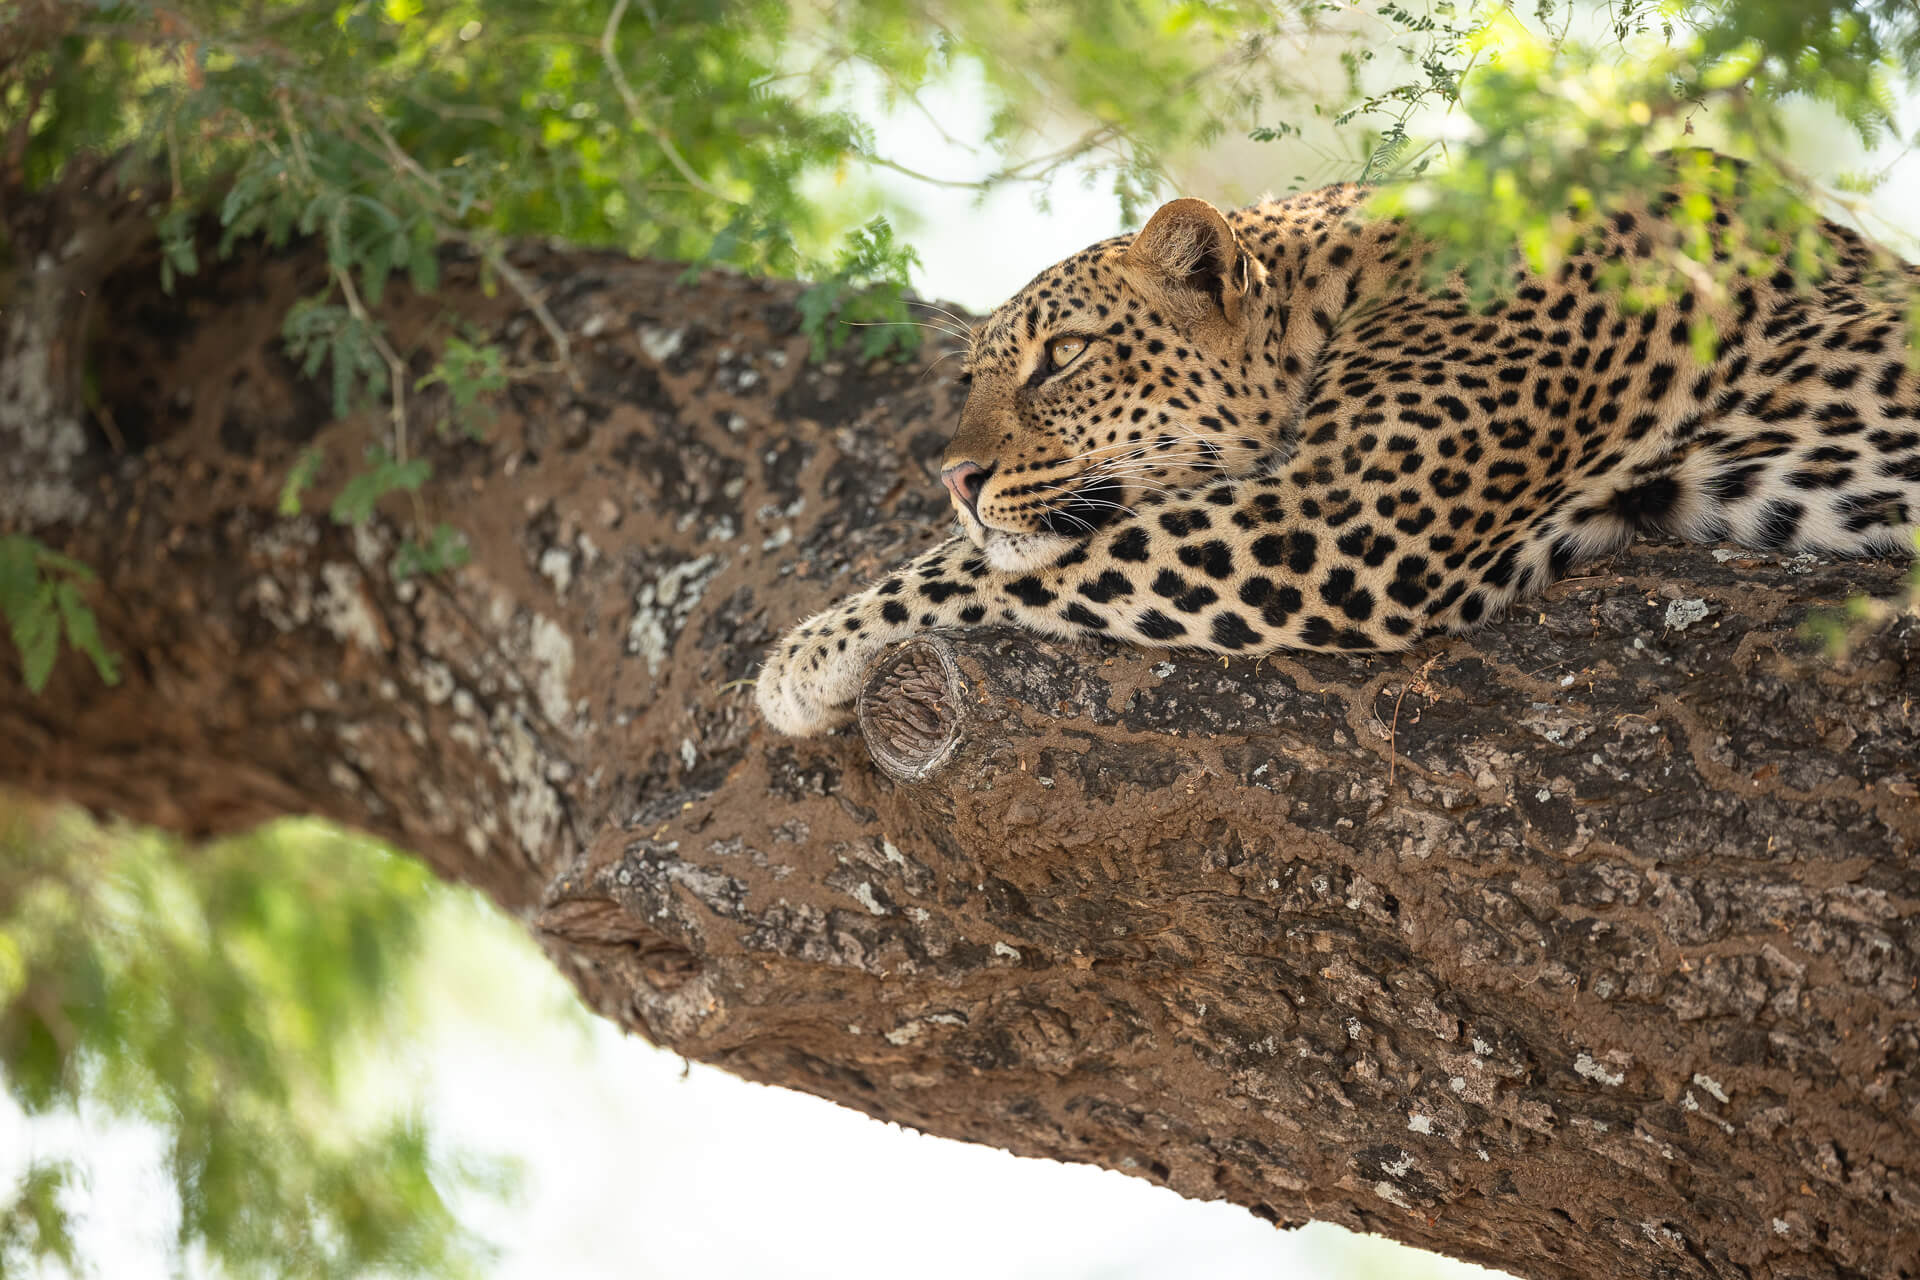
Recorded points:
(1255, 431)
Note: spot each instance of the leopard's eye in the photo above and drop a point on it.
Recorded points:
(1062, 352)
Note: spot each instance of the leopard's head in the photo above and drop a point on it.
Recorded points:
(1137, 366)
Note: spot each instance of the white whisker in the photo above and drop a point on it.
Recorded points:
(958, 319)
(928, 371)
(910, 324)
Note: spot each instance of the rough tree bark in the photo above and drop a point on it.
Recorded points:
(1586, 945)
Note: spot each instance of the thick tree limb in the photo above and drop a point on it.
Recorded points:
(1585, 945)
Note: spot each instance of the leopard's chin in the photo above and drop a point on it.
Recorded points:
(1023, 552)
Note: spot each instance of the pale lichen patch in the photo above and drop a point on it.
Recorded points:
(552, 654)
(661, 607)
(1682, 614)
(556, 566)
(1586, 1066)
(343, 609)
(533, 806)
(369, 544)
(1711, 1085)
(285, 612)
(435, 681)
(43, 448)
(660, 344)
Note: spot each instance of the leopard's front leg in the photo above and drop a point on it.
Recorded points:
(812, 675)
(1240, 566)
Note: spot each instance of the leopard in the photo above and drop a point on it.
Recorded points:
(1275, 429)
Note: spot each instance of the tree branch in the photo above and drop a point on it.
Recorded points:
(1583, 945)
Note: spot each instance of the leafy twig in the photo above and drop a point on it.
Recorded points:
(396, 379)
(632, 101)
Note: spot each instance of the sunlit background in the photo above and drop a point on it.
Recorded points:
(632, 1163)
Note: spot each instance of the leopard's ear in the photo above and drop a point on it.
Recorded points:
(1188, 248)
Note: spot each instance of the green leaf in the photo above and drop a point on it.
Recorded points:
(19, 572)
(470, 372)
(865, 293)
(83, 632)
(36, 634)
(300, 477)
(423, 258)
(445, 548)
(179, 254)
(36, 1223)
(39, 596)
(358, 496)
(52, 561)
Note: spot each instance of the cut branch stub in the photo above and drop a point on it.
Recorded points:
(913, 708)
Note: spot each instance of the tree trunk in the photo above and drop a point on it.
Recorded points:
(1585, 945)
(63, 247)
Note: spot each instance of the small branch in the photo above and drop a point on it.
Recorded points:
(396, 375)
(1041, 167)
(632, 101)
(293, 140)
(454, 110)
(958, 184)
(489, 251)
(495, 257)
(177, 190)
(1034, 170)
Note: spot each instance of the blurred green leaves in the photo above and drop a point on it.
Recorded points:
(1520, 128)
(384, 475)
(392, 129)
(470, 372)
(40, 599)
(866, 290)
(220, 995)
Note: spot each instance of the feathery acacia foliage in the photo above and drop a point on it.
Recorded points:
(1542, 122)
(219, 995)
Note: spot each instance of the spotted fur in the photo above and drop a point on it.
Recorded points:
(1256, 431)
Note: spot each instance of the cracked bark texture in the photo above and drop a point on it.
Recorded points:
(1584, 945)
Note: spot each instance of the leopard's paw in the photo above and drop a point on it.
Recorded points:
(811, 677)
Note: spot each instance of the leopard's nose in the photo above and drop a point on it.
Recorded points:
(966, 480)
